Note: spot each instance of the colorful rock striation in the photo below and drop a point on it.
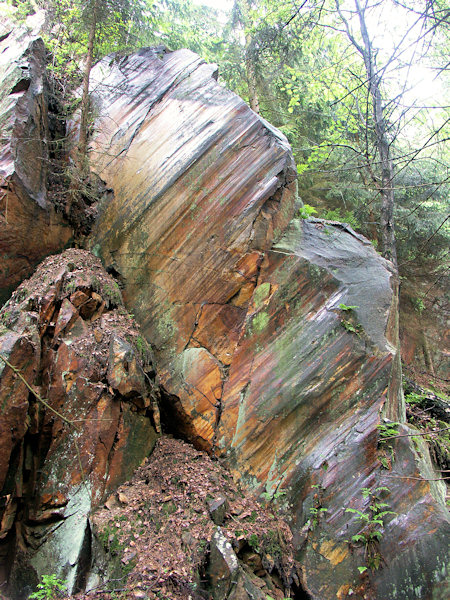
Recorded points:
(188, 226)
(66, 331)
(276, 351)
(276, 342)
(29, 227)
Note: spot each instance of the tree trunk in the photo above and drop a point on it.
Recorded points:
(388, 244)
(244, 7)
(84, 119)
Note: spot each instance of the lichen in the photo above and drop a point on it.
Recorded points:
(260, 322)
(261, 293)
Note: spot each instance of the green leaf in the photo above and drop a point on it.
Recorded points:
(362, 570)
(347, 308)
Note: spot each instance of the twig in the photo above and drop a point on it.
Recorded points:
(33, 391)
(39, 398)
(390, 437)
(417, 478)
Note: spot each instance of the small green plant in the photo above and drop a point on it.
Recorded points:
(346, 308)
(316, 510)
(306, 211)
(413, 398)
(315, 514)
(350, 327)
(268, 496)
(372, 520)
(419, 305)
(50, 587)
(349, 324)
(253, 542)
(386, 454)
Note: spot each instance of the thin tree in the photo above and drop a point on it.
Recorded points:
(374, 82)
(84, 117)
(242, 16)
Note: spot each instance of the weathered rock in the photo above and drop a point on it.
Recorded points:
(92, 427)
(223, 566)
(187, 228)
(217, 509)
(29, 227)
(424, 331)
(279, 354)
(314, 376)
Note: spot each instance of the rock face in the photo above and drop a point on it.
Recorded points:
(275, 340)
(187, 230)
(424, 331)
(60, 454)
(278, 352)
(29, 227)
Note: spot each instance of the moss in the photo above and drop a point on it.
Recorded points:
(315, 273)
(144, 350)
(260, 322)
(261, 293)
(112, 294)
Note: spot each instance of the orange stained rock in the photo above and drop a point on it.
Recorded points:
(197, 381)
(218, 329)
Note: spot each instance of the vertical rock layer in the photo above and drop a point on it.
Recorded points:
(29, 227)
(276, 349)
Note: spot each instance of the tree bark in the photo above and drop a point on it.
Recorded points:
(84, 119)
(388, 244)
(386, 183)
(244, 7)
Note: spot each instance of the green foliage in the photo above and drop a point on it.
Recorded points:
(269, 496)
(316, 510)
(315, 514)
(253, 542)
(386, 432)
(351, 327)
(350, 324)
(50, 588)
(419, 305)
(372, 525)
(306, 211)
(346, 308)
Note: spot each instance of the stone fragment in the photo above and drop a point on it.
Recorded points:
(88, 308)
(245, 588)
(79, 298)
(218, 508)
(124, 373)
(98, 335)
(223, 566)
(66, 317)
(122, 498)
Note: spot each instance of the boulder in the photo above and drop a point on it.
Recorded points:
(29, 226)
(187, 226)
(84, 429)
(277, 348)
(223, 566)
(313, 381)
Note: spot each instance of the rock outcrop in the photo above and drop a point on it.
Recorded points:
(29, 227)
(276, 343)
(277, 352)
(85, 428)
(188, 226)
